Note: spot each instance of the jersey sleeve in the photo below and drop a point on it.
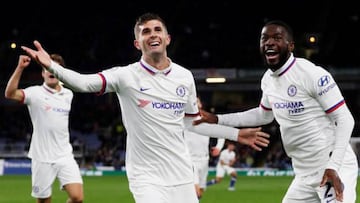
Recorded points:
(323, 87)
(192, 107)
(28, 92)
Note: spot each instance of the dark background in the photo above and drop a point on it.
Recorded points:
(92, 36)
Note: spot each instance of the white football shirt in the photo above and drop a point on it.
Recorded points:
(226, 156)
(49, 112)
(198, 145)
(300, 94)
(153, 104)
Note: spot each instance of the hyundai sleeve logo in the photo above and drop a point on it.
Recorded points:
(324, 80)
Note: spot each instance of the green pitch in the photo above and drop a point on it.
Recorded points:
(111, 189)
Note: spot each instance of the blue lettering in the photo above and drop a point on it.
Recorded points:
(327, 89)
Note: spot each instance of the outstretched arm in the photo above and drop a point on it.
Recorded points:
(74, 80)
(252, 137)
(12, 91)
(252, 117)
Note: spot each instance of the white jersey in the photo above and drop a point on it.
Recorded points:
(153, 105)
(300, 94)
(49, 112)
(226, 156)
(198, 145)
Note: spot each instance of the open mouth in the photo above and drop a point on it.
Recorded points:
(271, 54)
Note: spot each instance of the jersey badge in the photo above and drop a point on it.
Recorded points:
(292, 90)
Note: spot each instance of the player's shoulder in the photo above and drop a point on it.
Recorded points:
(120, 67)
(33, 88)
(309, 68)
(307, 64)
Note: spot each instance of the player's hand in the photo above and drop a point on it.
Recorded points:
(331, 176)
(253, 137)
(215, 151)
(39, 55)
(23, 61)
(206, 117)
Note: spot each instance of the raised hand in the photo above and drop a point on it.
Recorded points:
(23, 61)
(39, 55)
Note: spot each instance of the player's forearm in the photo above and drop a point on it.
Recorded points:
(13, 85)
(217, 131)
(220, 143)
(76, 81)
(344, 127)
(252, 117)
(212, 130)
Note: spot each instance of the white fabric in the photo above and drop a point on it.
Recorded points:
(43, 175)
(251, 118)
(201, 172)
(223, 167)
(150, 193)
(198, 146)
(301, 95)
(307, 189)
(344, 123)
(153, 105)
(212, 130)
(220, 143)
(76, 81)
(311, 111)
(49, 113)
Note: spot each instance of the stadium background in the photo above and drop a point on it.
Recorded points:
(210, 38)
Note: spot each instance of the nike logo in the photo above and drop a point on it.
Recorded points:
(143, 89)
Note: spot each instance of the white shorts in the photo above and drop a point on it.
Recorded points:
(43, 175)
(150, 193)
(221, 170)
(307, 189)
(201, 169)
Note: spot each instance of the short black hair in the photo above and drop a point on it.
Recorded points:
(145, 18)
(283, 24)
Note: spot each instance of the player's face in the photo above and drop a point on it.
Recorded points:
(152, 39)
(231, 147)
(275, 47)
(50, 79)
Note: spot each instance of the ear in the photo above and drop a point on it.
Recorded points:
(168, 39)
(136, 44)
(291, 46)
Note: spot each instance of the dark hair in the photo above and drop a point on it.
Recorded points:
(58, 58)
(145, 18)
(284, 25)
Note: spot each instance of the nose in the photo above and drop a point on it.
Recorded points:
(269, 41)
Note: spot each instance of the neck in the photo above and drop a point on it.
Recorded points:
(159, 63)
(55, 87)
